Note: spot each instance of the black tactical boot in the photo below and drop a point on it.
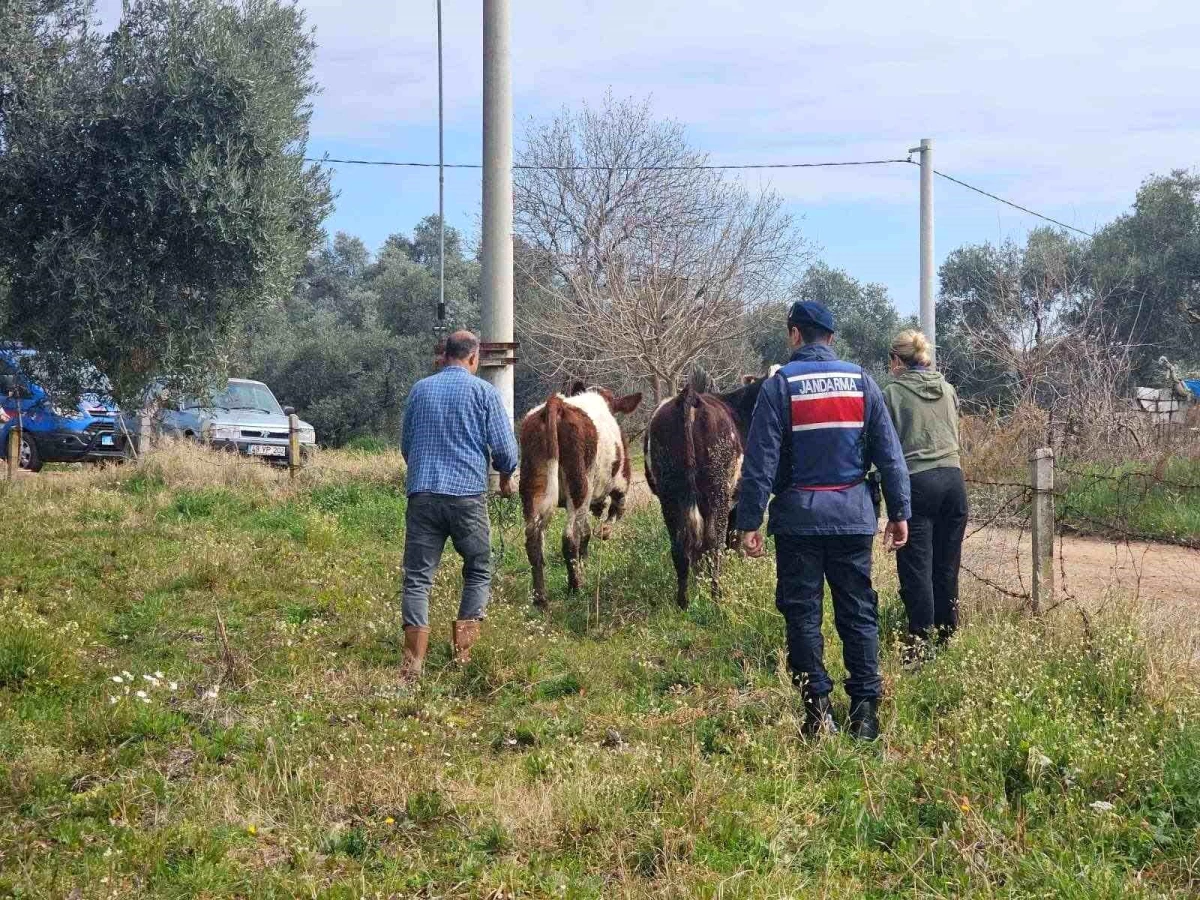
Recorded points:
(864, 719)
(818, 717)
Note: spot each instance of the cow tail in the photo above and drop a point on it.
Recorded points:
(553, 406)
(690, 400)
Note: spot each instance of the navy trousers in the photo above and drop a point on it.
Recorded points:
(803, 565)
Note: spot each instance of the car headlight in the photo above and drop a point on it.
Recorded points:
(224, 433)
(308, 436)
(65, 413)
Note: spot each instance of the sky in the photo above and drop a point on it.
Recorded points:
(1062, 106)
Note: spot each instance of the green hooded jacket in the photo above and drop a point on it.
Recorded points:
(924, 409)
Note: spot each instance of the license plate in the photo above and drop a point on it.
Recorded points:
(106, 440)
(267, 450)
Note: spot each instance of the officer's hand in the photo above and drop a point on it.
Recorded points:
(895, 535)
(752, 544)
(506, 488)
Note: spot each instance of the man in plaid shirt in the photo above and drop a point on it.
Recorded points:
(454, 424)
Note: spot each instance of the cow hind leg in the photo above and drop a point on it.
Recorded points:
(719, 530)
(537, 560)
(571, 546)
(616, 509)
(585, 537)
(598, 510)
(682, 567)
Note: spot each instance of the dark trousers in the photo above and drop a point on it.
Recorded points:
(928, 564)
(803, 565)
(429, 520)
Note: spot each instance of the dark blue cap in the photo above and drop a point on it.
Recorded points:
(810, 313)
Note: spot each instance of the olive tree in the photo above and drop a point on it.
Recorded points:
(153, 188)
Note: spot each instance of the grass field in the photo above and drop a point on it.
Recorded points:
(614, 748)
(1162, 502)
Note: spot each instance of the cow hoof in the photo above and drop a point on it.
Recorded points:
(604, 532)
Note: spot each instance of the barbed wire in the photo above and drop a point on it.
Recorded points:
(1110, 528)
(1127, 476)
(1025, 494)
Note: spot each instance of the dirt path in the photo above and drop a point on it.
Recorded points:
(1163, 576)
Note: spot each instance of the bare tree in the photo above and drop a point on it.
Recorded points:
(643, 261)
(1032, 320)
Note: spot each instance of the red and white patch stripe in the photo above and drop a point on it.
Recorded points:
(827, 400)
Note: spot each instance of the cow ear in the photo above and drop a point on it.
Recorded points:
(626, 404)
(749, 379)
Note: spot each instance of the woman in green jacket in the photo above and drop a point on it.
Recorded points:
(924, 409)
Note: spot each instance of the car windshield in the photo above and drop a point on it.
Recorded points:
(240, 395)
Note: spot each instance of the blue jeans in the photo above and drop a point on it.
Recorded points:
(428, 521)
(803, 564)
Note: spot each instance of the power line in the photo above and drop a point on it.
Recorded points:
(1023, 209)
(687, 168)
(701, 167)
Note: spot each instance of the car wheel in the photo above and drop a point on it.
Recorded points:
(29, 459)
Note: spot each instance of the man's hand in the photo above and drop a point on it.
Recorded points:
(895, 535)
(506, 488)
(751, 543)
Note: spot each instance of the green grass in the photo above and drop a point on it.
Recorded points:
(1136, 499)
(1032, 759)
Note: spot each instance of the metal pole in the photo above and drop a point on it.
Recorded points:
(441, 307)
(928, 311)
(497, 312)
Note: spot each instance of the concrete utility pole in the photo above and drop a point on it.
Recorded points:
(928, 312)
(496, 361)
(441, 307)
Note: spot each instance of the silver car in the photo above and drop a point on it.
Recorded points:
(244, 417)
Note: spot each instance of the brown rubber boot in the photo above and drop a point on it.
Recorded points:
(463, 634)
(416, 642)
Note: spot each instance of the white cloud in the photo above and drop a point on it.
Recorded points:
(1065, 105)
(1063, 101)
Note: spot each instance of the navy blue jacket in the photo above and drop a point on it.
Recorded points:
(768, 467)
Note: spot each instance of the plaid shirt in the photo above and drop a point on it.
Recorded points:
(453, 424)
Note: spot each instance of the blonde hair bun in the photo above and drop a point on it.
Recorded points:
(912, 347)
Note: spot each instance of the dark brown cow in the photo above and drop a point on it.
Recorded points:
(694, 448)
(573, 455)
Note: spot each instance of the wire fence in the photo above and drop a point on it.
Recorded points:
(1116, 529)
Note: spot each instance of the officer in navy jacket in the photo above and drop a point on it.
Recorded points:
(819, 425)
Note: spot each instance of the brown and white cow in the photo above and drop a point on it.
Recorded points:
(694, 447)
(573, 455)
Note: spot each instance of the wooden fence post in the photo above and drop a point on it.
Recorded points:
(293, 443)
(1041, 479)
(145, 433)
(14, 450)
